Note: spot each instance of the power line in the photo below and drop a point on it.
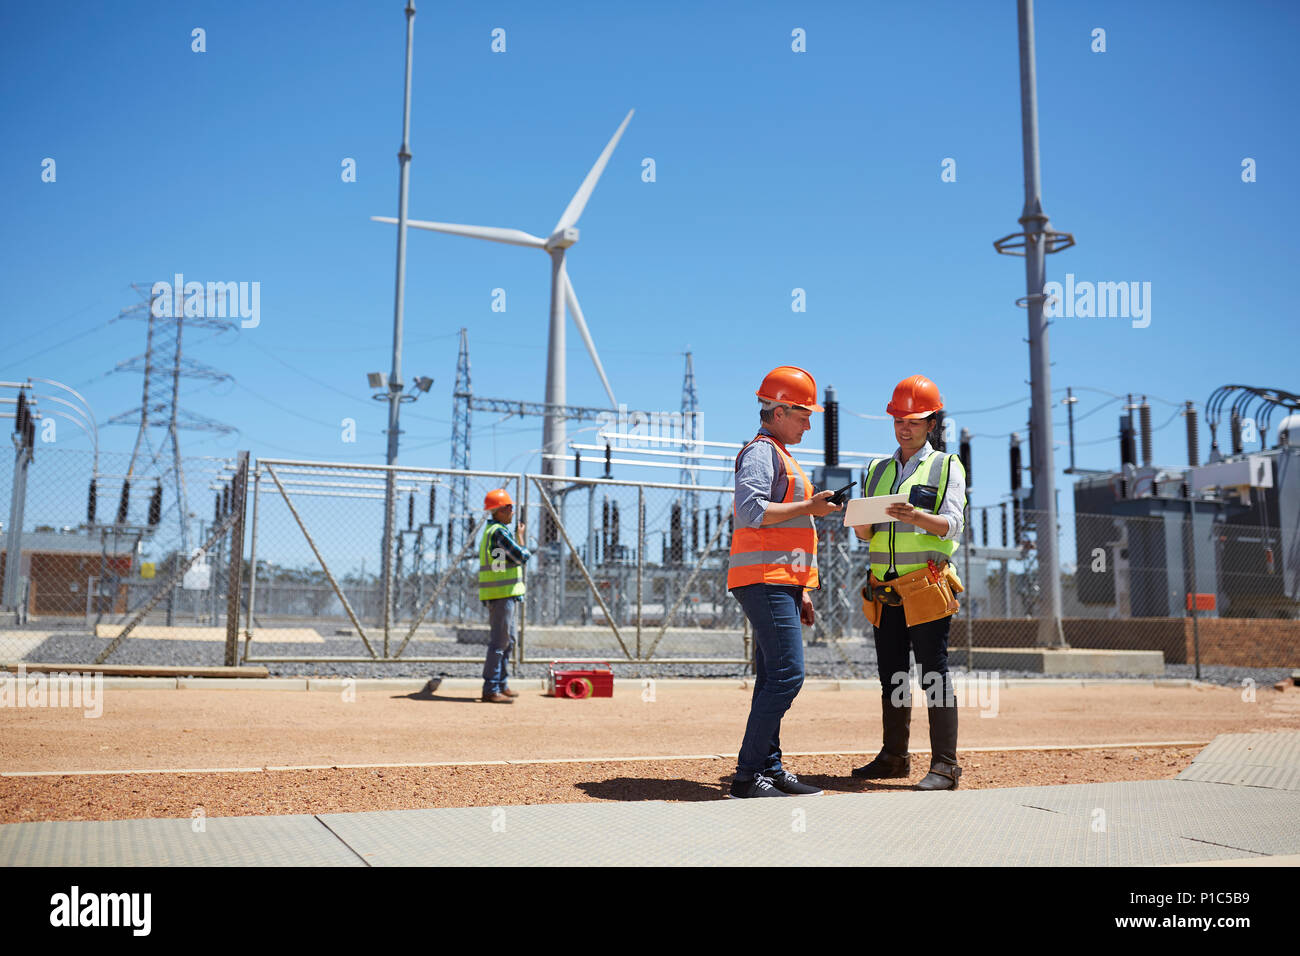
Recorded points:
(285, 409)
(42, 327)
(366, 348)
(1098, 441)
(995, 408)
(79, 335)
(334, 388)
(311, 378)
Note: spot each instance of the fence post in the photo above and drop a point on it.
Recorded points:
(1196, 634)
(523, 605)
(238, 499)
(640, 559)
(970, 602)
(386, 564)
(252, 565)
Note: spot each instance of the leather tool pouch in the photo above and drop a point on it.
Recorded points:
(953, 580)
(871, 608)
(924, 598)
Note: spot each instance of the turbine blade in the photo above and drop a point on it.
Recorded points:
(514, 237)
(579, 200)
(576, 311)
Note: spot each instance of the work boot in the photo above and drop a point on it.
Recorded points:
(944, 772)
(893, 759)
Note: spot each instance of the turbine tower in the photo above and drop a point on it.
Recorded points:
(556, 245)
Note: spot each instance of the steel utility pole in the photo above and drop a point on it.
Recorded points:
(395, 379)
(1035, 242)
(24, 441)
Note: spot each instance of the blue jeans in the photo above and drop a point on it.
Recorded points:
(501, 641)
(773, 612)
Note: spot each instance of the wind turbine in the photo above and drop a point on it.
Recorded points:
(563, 236)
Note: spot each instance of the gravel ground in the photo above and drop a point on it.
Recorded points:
(129, 796)
(845, 660)
(371, 749)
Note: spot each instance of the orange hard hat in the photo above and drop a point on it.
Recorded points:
(914, 397)
(496, 498)
(790, 385)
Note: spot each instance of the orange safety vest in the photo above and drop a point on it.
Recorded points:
(784, 553)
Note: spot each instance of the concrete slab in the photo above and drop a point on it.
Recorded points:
(1052, 660)
(397, 686)
(16, 645)
(239, 683)
(198, 632)
(138, 670)
(599, 639)
(139, 683)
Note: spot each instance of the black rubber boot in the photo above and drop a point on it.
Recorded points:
(944, 772)
(893, 760)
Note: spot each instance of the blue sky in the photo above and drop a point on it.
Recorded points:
(775, 170)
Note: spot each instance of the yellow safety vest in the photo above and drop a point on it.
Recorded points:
(909, 550)
(493, 584)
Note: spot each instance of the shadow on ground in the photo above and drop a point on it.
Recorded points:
(429, 692)
(851, 784)
(651, 788)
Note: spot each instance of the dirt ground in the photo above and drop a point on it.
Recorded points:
(299, 745)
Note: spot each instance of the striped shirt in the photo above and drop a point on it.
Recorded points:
(760, 480)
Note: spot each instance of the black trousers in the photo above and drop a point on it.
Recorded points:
(929, 642)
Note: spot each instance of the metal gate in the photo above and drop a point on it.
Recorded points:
(591, 579)
(316, 524)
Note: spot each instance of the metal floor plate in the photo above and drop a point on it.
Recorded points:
(1250, 819)
(1270, 760)
(948, 829)
(226, 841)
(1129, 823)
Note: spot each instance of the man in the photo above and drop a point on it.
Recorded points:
(772, 567)
(919, 541)
(501, 561)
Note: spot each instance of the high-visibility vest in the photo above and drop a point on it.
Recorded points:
(493, 584)
(783, 553)
(909, 550)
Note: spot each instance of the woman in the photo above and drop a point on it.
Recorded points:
(909, 596)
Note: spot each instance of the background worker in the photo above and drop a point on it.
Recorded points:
(772, 567)
(919, 542)
(501, 561)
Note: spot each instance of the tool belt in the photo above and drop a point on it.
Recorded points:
(925, 595)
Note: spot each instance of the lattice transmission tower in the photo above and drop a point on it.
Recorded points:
(690, 412)
(164, 365)
(459, 518)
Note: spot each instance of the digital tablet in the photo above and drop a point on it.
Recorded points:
(871, 510)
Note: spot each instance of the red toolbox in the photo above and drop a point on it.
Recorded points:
(594, 678)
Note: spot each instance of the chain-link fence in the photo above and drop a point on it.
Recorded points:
(101, 539)
(624, 570)
(634, 570)
(1193, 585)
(319, 567)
